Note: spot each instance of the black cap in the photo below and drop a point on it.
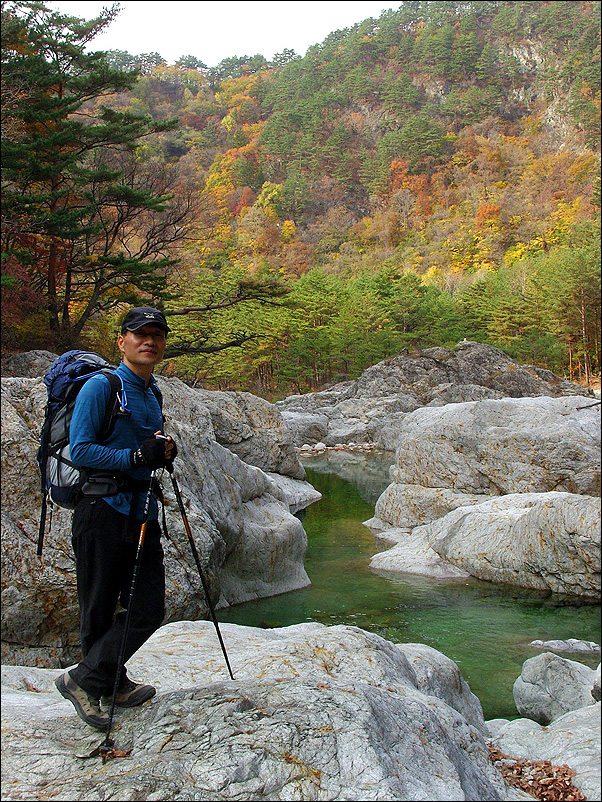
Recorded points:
(141, 316)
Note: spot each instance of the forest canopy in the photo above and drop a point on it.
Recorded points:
(413, 180)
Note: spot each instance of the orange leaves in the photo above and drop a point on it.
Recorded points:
(487, 216)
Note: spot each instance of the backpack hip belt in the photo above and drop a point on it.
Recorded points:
(106, 483)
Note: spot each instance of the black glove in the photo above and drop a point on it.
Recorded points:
(151, 453)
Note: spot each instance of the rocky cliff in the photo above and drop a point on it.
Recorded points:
(371, 408)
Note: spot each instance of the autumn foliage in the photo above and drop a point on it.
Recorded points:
(426, 176)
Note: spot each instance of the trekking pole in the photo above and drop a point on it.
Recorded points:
(107, 746)
(195, 554)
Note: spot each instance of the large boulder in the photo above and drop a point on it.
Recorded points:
(408, 505)
(314, 712)
(545, 541)
(249, 542)
(459, 454)
(253, 429)
(550, 686)
(467, 363)
(503, 489)
(509, 445)
(29, 364)
(371, 408)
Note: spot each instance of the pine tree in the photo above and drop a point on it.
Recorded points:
(70, 188)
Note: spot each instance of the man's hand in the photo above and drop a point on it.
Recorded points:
(171, 449)
(157, 451)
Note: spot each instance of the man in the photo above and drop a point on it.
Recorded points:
(106, 529)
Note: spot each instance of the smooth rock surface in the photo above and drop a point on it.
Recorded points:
(507, 490)
(550, 686)
(544, 541)
(509, 445)
(252, 428)
(412, 553)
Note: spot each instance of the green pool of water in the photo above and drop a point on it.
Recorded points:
(484, 627)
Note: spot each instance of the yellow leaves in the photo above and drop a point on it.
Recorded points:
(228, 122)
(288, 231)
(270, 194)
(432, 276)
(220, 178)
(523, 250)
(532, 125)
(563, 218)
(583, 167)
(234, 87)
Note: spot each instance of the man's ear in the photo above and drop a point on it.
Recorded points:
(120, 343)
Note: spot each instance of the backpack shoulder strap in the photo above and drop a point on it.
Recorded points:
(111, 408)
(159, 396)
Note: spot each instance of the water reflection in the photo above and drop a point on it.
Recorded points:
(368, 473)
(485, 628)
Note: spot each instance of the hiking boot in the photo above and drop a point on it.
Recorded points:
(131, 694)
(86, 706)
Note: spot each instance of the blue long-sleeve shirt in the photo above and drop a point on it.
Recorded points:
(114, 453)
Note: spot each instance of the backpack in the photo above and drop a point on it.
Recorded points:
(61, 480)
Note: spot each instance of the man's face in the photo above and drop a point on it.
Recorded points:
(144, 347)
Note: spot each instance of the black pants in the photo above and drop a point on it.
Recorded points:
(105, 543)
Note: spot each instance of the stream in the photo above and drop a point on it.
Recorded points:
(484, 627)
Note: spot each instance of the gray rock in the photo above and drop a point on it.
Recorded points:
(494, 725)
(511, 445)
(249, 543)
(596, 692)
(572, 739)
(371, 408)
(411, 553)
(504, 490)
(458, 393)
(440, 676)
(30, 364)
(550, 686)
(297, 494)
(314, 712)
(545, 541)
(568, 645)
(305, 427)
(409, 505)
(254, 429)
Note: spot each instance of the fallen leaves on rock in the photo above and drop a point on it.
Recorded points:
(539, 778)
